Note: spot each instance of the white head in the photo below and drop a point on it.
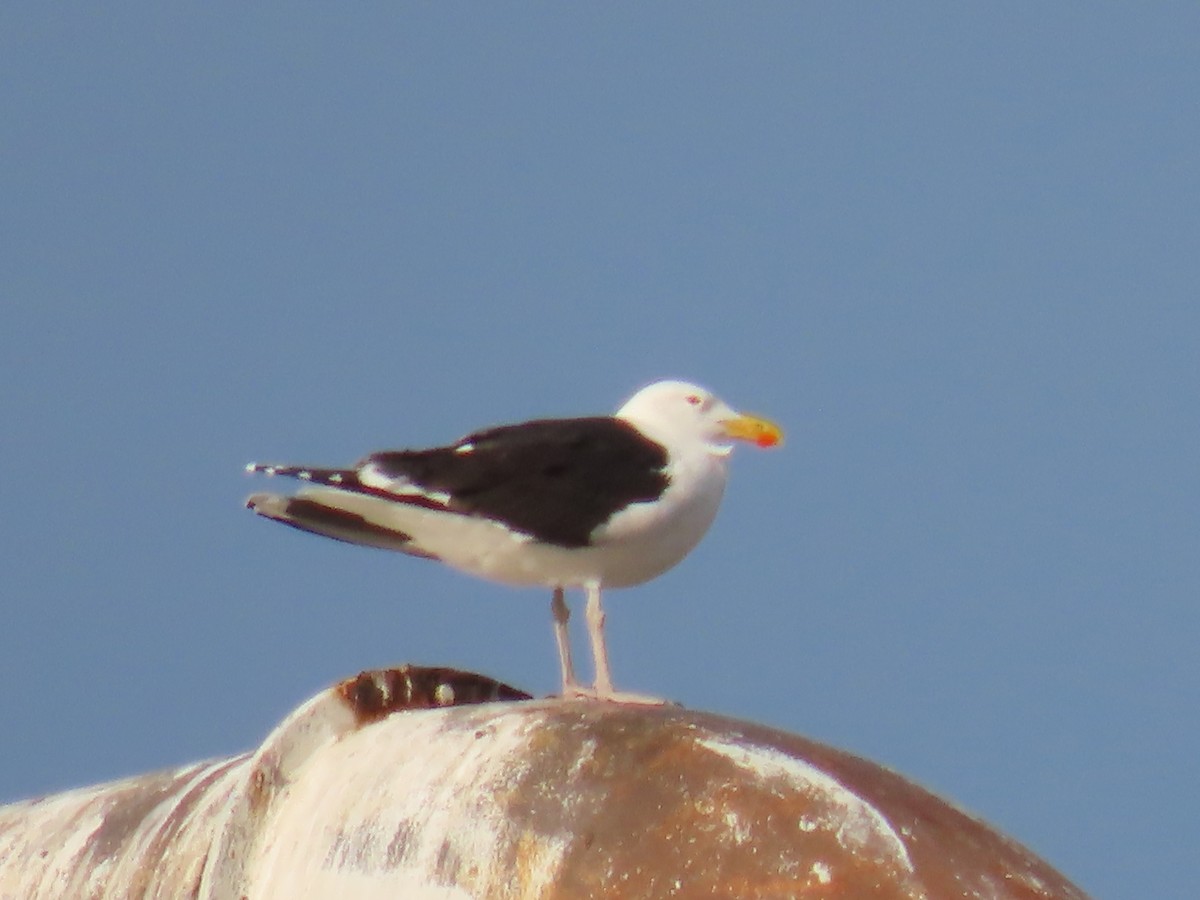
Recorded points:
(677, 409)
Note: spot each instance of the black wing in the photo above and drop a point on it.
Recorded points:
(554, 479)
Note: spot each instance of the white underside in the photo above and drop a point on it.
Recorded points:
(638, 543)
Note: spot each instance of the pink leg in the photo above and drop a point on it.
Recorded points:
(595, 624)
(562, 614)
(603, 689)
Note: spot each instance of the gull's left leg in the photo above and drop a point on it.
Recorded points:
(562, 614)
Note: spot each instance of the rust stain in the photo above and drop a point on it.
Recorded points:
(557, 799)
(377, 693)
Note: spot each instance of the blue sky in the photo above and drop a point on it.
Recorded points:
(951, 248)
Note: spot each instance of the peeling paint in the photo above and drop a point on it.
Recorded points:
(372, 789)
(857, 824)
(822, 873)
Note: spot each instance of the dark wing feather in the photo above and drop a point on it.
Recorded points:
(318, 517)
(554, 479)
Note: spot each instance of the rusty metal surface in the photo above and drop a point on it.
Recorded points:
(378, 693)
(377, 788)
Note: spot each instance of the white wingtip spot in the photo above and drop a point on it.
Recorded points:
(336, 478)
(304, 476)
(251, 468)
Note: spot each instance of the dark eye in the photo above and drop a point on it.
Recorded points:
(694, 399)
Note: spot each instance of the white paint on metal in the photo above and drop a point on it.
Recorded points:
(857, 824)
(496, 800)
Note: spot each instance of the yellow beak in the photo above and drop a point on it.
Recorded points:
(754, 429)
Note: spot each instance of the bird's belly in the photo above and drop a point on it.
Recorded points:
(645, 540)
(638, 544)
